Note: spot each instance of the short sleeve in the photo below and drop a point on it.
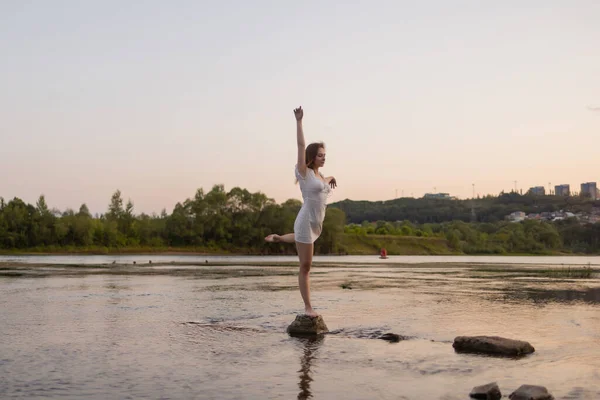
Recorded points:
(297, 172)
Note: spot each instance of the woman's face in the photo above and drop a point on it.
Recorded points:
(320, 158)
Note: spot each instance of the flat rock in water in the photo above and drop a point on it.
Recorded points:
(531, 392)
(305, 325)
(491, 391)
(492, 345)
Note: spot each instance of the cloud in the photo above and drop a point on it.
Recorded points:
(597, 109)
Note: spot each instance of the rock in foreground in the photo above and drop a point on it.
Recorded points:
(305, 326)
(531, 392)
(491, 391)
(494, 345)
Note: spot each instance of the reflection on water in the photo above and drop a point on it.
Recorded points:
(588, 295)
(310, 348)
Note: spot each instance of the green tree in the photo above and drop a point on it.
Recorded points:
(115, 208)
(179, 226)
(44, 223)
(333, 228)
(217, 223)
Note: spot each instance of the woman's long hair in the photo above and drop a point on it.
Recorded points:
(311, 154)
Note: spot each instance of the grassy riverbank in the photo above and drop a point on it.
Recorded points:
(349, 244)
(396, 245)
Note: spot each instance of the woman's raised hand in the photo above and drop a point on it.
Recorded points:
(299, 113)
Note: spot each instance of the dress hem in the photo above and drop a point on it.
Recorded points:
(305, 242)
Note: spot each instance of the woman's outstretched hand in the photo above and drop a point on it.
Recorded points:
(299, 113)
(333, 183)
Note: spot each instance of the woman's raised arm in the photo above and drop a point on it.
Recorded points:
(299, 113)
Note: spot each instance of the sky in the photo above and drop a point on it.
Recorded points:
(158, 99)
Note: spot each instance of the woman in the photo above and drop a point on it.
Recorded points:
(309, 223)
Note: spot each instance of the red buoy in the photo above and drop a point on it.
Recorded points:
(383, 253)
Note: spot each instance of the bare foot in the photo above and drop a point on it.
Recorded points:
(273, 238)
(309, 312)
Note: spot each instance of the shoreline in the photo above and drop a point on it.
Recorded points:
(282, 263)
(183, 252)
(588, 275)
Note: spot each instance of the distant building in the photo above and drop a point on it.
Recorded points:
(445, 196)
(537, 190)
(562, 190)
(516, 216)
(589, 190)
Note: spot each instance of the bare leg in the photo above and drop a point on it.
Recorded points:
(305, 254)
(287, 238)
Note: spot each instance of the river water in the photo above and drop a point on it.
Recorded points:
(218, 331)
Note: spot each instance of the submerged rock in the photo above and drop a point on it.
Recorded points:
(531, 392)
(491, 391)
(392, 337)
(494, 345)
(304, 325)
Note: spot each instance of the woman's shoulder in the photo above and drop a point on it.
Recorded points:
(299, 174)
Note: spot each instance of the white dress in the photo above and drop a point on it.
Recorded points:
(309, 222)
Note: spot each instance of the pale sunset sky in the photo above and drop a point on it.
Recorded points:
(160, 98)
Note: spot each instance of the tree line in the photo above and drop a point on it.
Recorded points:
(218, 220)
(529, 236)
(237, 221)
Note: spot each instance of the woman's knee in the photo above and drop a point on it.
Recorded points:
(305, 266)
